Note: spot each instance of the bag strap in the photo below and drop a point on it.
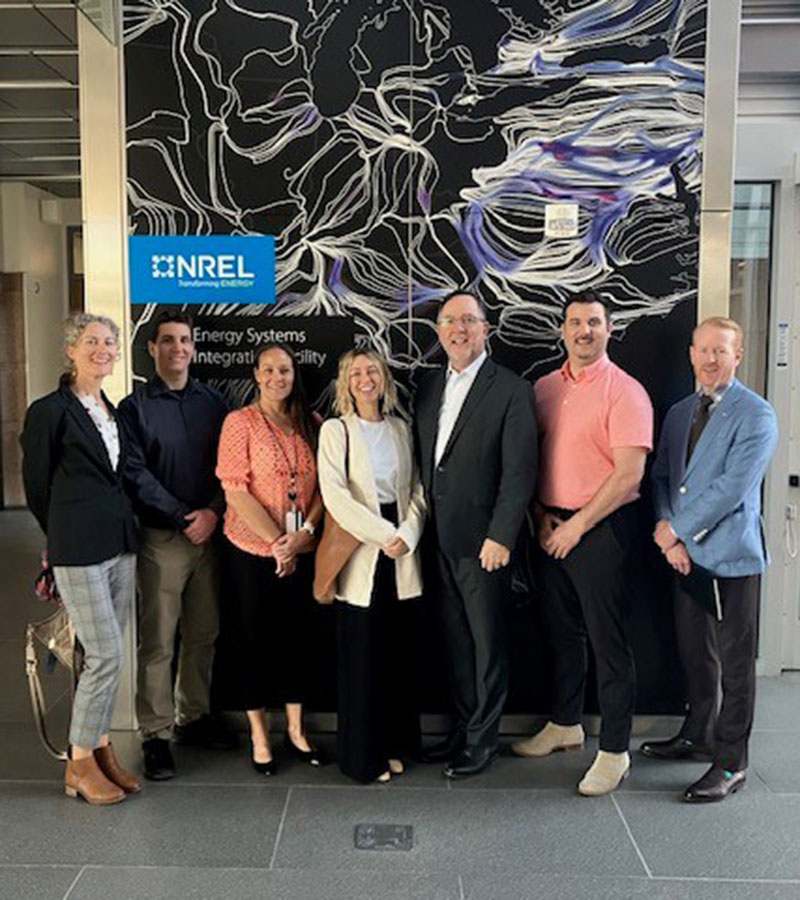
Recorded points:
(37, 695)
(346, 449)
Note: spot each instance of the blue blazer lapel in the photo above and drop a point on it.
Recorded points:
(716, 423)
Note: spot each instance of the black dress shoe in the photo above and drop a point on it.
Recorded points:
(677, 748)
(207, 731)
(312, 757)
(158, 762)
(715, 785)
(267, 768)
(446, 750)
(471, 761)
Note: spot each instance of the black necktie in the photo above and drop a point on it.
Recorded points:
(698, 423)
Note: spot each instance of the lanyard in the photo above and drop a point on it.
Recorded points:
(292, 469)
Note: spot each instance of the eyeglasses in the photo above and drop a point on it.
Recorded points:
(467, 321)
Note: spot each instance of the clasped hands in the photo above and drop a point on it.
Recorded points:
(672, 547)
(285, 550)
(395, 548)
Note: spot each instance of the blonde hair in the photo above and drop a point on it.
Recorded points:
(343, 403)
(723, 322)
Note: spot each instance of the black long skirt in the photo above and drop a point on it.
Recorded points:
(265, 651)
(378, 712)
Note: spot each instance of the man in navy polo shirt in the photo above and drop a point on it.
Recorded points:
(173, 424)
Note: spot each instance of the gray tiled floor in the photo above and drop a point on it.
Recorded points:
(519, 832)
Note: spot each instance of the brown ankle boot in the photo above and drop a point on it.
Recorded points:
(111, 768)
(83, 777)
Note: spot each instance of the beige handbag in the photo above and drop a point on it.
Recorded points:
(335, 547)
(56, 635)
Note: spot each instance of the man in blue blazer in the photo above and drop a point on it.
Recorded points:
(714, 451)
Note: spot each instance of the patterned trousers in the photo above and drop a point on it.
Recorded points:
(98, 599)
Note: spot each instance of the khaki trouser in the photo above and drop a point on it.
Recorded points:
(178, 582)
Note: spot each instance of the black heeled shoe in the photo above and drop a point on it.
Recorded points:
(265, 768)
(311, 757)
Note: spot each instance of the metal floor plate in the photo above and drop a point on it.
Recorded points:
(384, 837)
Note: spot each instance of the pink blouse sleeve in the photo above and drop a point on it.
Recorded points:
(233, 454)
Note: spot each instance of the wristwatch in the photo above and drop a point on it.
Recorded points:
(309, 527)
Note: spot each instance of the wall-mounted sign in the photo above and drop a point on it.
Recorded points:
(561, 220)
(207, 269)
(225, 349)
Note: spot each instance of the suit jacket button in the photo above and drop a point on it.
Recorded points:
(682, 489)
(440, 468)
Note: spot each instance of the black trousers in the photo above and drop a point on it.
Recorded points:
(583, 596)
(472, 606)
(378, 711)
(265, 649)
(718, 654)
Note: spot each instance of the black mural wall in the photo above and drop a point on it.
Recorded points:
(397, 149)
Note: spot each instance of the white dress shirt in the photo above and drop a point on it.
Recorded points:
(455, 393)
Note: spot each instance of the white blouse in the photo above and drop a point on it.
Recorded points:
(383, 457)
(105, 424)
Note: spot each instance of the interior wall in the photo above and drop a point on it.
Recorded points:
(398, 151)
(37, 249)
(768, 149)
(34, 304)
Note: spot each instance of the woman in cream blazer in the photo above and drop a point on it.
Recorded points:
(371, 486)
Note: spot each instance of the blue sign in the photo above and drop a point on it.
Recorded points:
(208, 269)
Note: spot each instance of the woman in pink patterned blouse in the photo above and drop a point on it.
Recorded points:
(267, 468)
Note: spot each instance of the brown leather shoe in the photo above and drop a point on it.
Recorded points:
(111, 768)
(84, 778)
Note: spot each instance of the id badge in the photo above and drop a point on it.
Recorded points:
(294, 520)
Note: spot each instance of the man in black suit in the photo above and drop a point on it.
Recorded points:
(476, 439)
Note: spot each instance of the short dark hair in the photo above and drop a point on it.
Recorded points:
(587, 296)
(166, 317)
(464, 292)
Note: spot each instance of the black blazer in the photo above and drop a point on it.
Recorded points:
(76, 496)
(485, 479)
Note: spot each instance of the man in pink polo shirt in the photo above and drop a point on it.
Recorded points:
(596, 427)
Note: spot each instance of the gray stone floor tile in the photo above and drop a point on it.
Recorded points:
(20, 543)
(559, 771)
(753, 834)
(669, 777)
(14, 703)
(775, 757)
(209, 826)
(458, 830)
(255, 884)
(196, 765)
(36, 882)
(778, 703)
(22, 754)
(535, 886)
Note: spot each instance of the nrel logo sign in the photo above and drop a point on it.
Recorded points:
(208, 269)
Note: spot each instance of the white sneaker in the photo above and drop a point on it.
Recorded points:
(605, 774)
(551, 738)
